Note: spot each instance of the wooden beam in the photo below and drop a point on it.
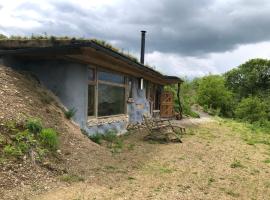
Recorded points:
(115, 65)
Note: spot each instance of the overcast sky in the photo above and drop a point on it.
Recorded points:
(184, 37)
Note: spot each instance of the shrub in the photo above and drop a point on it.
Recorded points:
(49, 139)
(251, 109)
(213, 94)
(70, 113)
(25, 141)
(34, 125)
(96, 138)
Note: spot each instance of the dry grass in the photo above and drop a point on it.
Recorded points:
(214, 162)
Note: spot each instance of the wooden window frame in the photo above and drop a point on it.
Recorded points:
(96, 83)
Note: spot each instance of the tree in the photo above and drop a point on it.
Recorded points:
(250, 78)
(213, 94)
(252, 109)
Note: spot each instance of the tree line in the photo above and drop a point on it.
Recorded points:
(242, 93)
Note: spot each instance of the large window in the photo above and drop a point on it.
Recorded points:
(111, 100)
(106, 93)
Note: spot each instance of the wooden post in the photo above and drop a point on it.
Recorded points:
(179, 101)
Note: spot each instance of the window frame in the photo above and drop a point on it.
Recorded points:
(96, 83)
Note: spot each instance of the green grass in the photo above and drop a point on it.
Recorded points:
(24, 139)
(71, 178)
(114, 142)
(233, 194)
(252, 134)
(267, 161)
(96, 138)
(70, 113)
(34, 125)
(49, 139)
(237, 164)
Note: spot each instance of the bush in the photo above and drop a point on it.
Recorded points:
(96, 138)
(252, 109)
(49, 139)
(213, 94)
(34, 125)
(25, 141)
(70, 113)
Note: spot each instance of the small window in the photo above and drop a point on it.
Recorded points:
(111, 100)
(110, 77)
(91, 100)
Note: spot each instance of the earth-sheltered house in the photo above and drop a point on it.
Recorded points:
(108, 89)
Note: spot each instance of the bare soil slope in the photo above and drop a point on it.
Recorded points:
(21, 97)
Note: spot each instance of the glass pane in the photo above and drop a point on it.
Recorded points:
(91, 74)
(111, 100)
(91, 100)
(106, 76)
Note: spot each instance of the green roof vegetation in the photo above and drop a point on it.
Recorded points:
(67, 38)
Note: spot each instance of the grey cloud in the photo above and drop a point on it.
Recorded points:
(190, 28)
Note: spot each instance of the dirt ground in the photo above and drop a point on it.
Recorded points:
(217, 160)
(213, 162)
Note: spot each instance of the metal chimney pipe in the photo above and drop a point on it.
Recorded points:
(142, 46)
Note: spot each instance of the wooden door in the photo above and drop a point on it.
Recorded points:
(166, 104)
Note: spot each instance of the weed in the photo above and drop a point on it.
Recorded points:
(165, 170)
(96, 138)
(233, 194)
(110, 136)
(211, 180)
(237, 164)
(49, 139)
(2, 139)
(267, 161)
(131, 147)
(2, 160)
(71, 178)
(131, 178)
(267, 184)
(109, 167)
(10, 150)
(34, 125)
(117, 146)
(70, 113)
(46, 98)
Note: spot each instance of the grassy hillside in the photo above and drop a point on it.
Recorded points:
(38, 144)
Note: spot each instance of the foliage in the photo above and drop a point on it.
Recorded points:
(71, 178)
(30, 137)
(10, 150)
(213, 94)
(252, 109)
(237, 164)
(186, 97)
(34, 125)
(96, 138)
(70, 113)
(250, 78)
(49, 139)
(2, 37)
(113, 141)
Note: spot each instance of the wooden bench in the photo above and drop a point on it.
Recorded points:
(162, 126)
